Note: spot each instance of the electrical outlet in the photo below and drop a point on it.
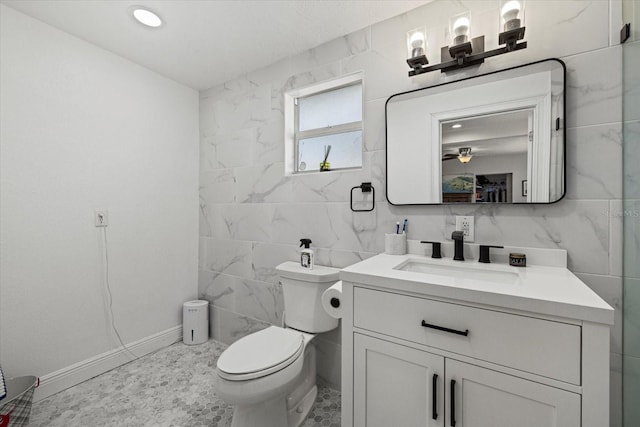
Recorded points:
(466, 225)
(101, 218)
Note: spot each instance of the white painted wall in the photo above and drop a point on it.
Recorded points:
(81, 128)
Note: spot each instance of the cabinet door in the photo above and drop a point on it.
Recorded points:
(479, 397)
(396, 385)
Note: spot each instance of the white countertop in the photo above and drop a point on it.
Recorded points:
(548, 290)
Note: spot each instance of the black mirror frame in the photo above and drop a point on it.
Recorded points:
(564, 135)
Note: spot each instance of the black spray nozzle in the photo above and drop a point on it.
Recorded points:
(305, 243)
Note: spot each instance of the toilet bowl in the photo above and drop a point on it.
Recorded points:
(270, 375)
(266, 377)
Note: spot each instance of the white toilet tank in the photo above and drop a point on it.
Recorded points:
(302, 289)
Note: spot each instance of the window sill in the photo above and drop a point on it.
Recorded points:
(317, 172)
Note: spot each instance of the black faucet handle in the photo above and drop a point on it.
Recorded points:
(458, 245)
(484, 253)
(457, 235)
(435, 250)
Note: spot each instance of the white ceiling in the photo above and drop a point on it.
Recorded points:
(490, 135)
(207, 42)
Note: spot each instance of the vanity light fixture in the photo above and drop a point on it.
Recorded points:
(460, 31)
(466, 51)
(146, 17)
(456, 126)
(417, 47)
(512, 17)
(465, 154)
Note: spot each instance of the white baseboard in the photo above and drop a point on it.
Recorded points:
(75, 374)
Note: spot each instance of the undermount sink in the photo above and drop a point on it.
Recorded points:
(488, 273)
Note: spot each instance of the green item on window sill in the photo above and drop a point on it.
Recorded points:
(325, 166)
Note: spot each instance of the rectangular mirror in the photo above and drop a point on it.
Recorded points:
(494, 138)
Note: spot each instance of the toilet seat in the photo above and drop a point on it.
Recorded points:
(260, 354)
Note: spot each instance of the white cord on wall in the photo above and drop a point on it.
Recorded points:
(108, 288)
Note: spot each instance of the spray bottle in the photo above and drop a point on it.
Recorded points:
(306, 254)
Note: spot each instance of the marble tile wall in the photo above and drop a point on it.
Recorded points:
(252, 215)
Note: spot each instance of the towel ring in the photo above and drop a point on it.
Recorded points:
(366, 187)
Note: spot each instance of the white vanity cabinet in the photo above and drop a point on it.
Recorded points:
(395, 385)
(415, 354)
(484, 397)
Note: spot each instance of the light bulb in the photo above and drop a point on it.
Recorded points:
(460, 30)
(510, 12)
(417, 40)
(416, 43)
(461, 26)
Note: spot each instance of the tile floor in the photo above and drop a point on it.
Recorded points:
(171, 387)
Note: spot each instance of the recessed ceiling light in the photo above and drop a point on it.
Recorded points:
(456, 126)
(146, 17)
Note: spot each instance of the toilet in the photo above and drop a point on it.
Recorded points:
(270, 375)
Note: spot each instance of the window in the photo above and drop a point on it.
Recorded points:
(324, 122)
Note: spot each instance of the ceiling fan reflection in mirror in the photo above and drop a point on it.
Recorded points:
(464, 155)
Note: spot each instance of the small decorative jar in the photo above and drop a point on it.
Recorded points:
(517, 260)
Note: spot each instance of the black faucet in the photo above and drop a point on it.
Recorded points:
(484, 253)
(458, 242)
(435, 249)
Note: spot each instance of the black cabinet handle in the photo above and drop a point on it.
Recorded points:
(434, 398)
(453, 403)
(442, 328)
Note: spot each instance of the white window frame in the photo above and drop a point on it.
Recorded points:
(291, 120)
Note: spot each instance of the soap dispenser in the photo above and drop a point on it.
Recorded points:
(306, 255)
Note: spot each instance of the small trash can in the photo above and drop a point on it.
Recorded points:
(195, 322)
(15, 407)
